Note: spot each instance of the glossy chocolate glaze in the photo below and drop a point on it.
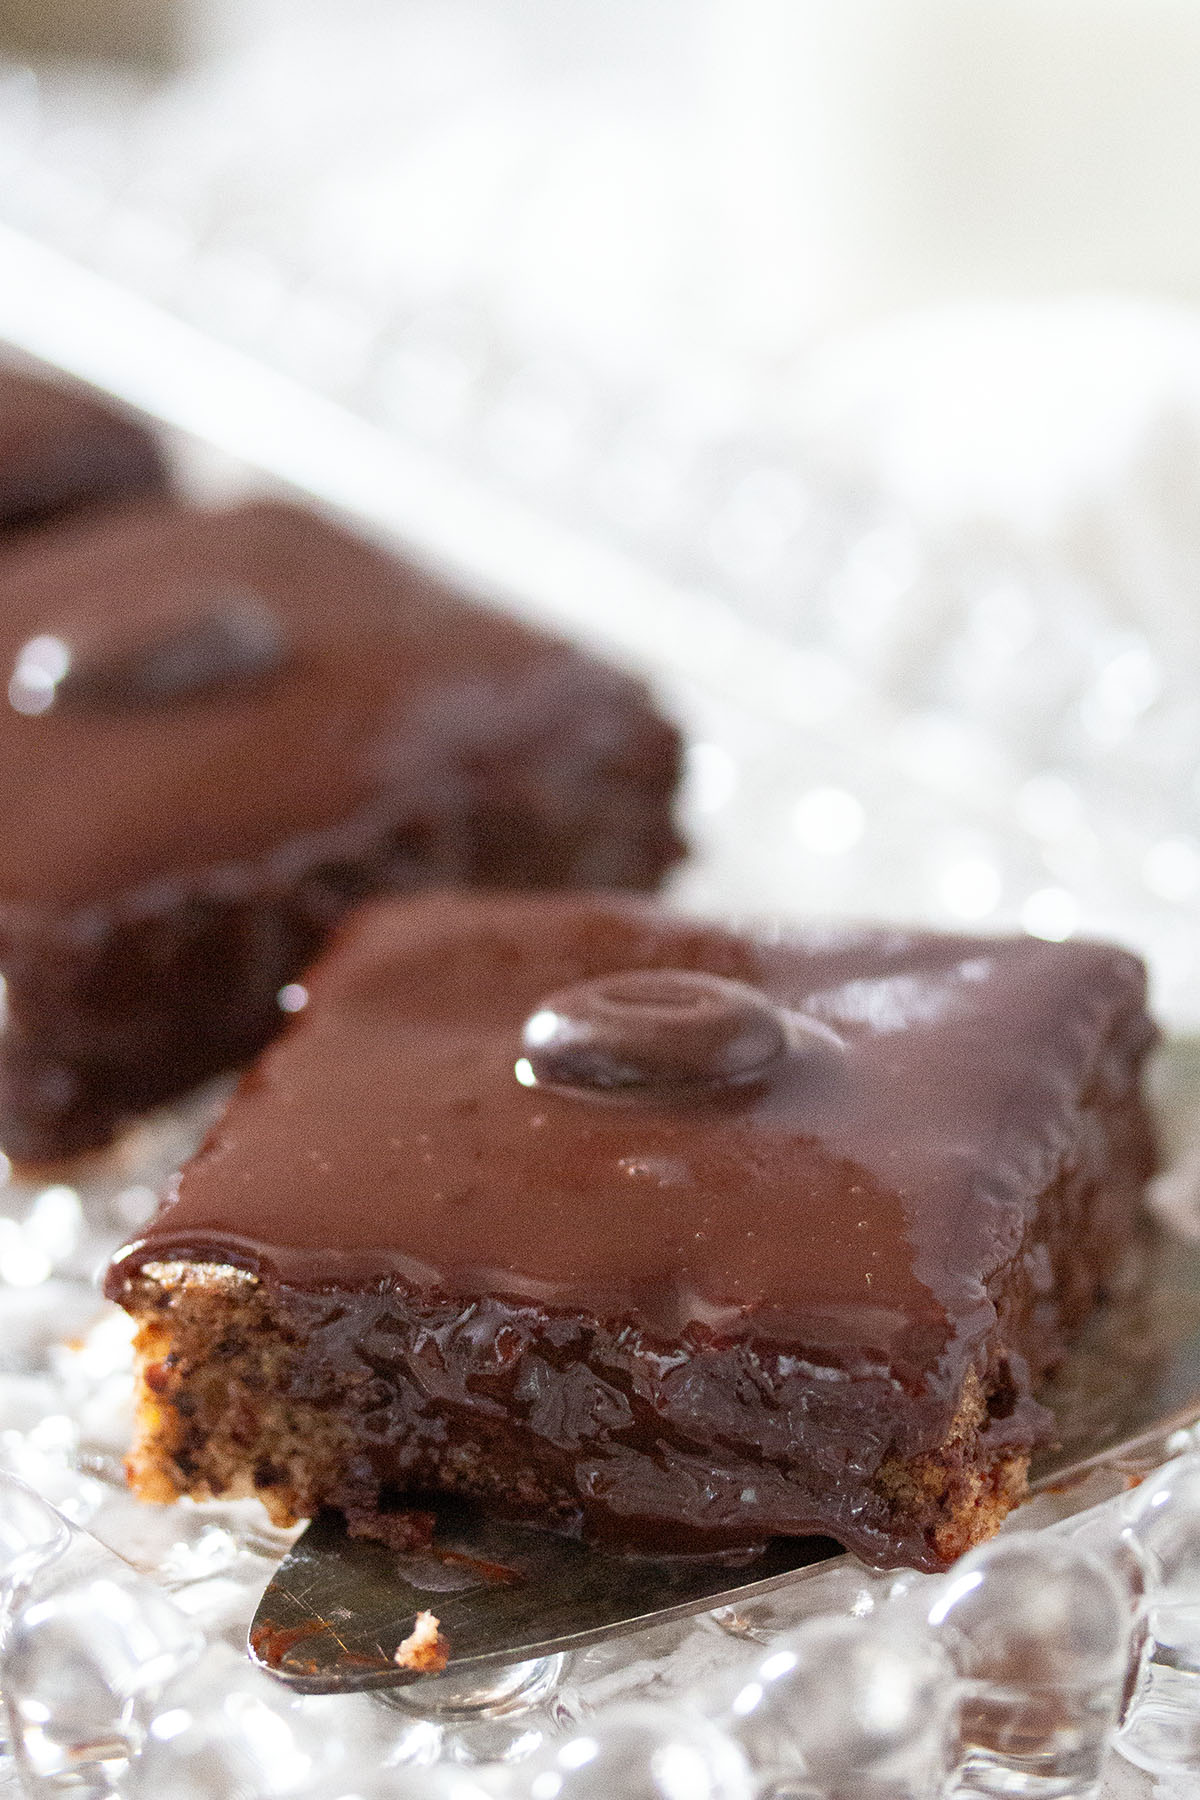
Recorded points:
(953, 1128)
(64, 450)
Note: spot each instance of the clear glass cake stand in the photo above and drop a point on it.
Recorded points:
(983, 714)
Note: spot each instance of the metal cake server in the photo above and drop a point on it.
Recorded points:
(338, 1608)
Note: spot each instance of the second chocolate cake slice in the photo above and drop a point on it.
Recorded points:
(224, 728)
(639, 1227)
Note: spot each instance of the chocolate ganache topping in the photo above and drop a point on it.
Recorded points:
(854, 1201)
(188, 648)
(652, 1030)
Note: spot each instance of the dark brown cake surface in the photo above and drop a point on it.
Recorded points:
(64, 450)
(657, 1228)
(222, 729)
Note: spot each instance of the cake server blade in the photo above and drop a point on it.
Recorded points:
(338, 1608)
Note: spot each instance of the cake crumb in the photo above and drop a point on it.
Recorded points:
(401, 1531)
(424, 1650)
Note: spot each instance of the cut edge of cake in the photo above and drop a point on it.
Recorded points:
(215, 1359)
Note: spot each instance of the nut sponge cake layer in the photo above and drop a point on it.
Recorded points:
(224, 728)
(643, 1228)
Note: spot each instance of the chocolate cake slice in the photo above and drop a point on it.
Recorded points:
(66, 451)
(647, 1230)
(224, 728)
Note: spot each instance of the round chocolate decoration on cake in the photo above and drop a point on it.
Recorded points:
(217, 642)
(652, 1029)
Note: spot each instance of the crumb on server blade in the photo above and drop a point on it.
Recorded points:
(424, 1651)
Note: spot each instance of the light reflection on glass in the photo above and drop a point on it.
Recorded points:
(711, 778)
(829, 821)
(1051, 913)
(971, 887)
(54, 1223)
(1171, 869)
(22, 1263)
